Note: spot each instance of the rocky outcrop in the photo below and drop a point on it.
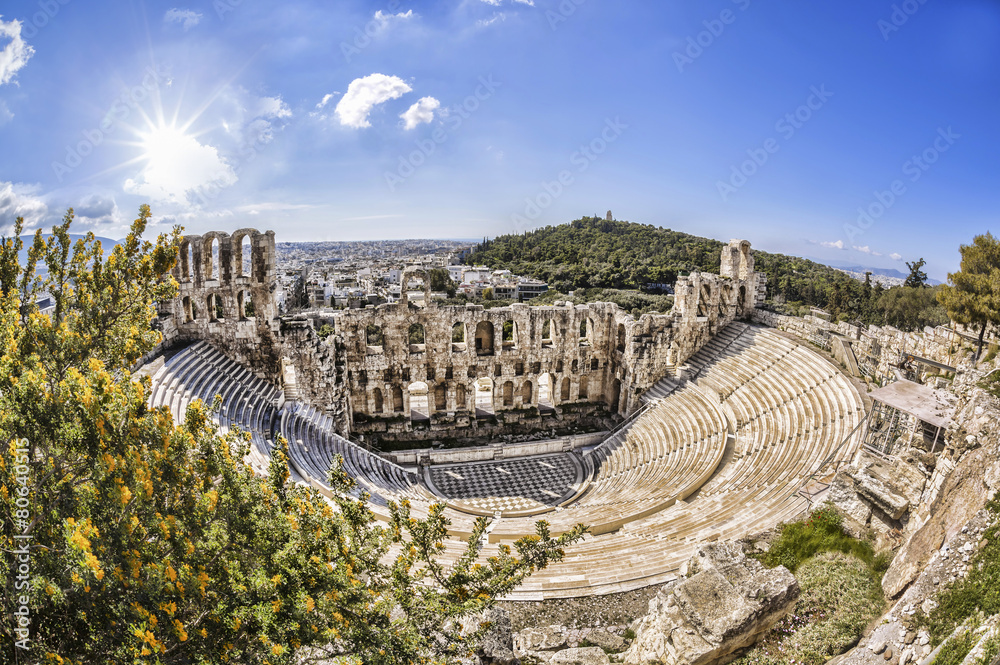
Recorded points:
(726, 604)
(497, 646)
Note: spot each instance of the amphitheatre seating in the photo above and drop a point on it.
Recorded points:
(718, 455)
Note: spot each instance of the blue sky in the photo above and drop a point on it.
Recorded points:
(844, 130)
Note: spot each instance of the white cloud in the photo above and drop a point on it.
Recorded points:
(17, 200)
(326, 99)
(896, 257)
(363, 94)
(15, 53)
(253, 120)
(382, 20)
(178, 166)
(833, 245)
(865, 249)
(422, 111)
(185, 17)
(98, 210)
(271, 107)
(482, 23)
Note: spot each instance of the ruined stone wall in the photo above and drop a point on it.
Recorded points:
(224, 303)
(879, 346)
(465, 371)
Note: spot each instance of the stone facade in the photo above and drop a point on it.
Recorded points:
(406, 372)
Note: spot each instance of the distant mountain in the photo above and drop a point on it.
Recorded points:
(107, 244)
(849, 267)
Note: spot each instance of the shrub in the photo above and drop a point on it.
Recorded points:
(840, 596)
(822, 532)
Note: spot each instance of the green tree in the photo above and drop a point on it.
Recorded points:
(917, 277)
(153, 542)
(441, 281)
(972, 296)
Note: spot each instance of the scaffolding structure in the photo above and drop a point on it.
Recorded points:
(907, 406)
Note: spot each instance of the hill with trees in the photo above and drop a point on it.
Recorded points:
(597, 254)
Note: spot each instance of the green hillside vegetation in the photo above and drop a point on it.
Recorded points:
(595, 254)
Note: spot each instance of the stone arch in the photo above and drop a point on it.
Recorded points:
(397, 399)
(186, 261)
(187, 310)
(404, 279)
(575, 366)
(441, 397)
(548, 332)
(374, 337)
(527, 391)
(242, 299)
(245, 250)
(507, 393)
(415, 337)
(378, 402)
(460, 397)
(211, 256)
(546, 390)
(621, 337)
(564, 391)
(509, 334)
(484, 338)
(419, 401)
(213, 305)
(484, 396)
(458, 334)
(741, 302)
(584, 386)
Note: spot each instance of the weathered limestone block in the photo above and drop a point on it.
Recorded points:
(580, 656)
(497, 647)
(544, 638)
(845, 498)
(726, 605)
(880, 495)
(607, 640)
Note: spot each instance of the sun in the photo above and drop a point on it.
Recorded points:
(164, 146)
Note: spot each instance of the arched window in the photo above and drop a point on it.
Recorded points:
(210, 259)
(526, 390)
(373, 337)
(547, 335)
(616, 390)
(509, 334)
(378, 402)
(441, 397)
(397, 399)
(484, 396)
(621, 336)
(419, 407)
(186, 262)
(564, 393)
(212, 307)
(583, 387)
(458, 334)
(545, 390)
(460, 397)
(188, 310)
(416, 337)
(507, 393)
(484, 338)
